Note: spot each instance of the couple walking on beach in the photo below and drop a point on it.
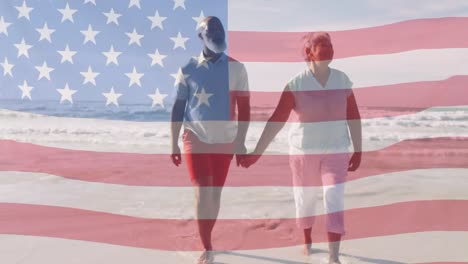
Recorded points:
(210, 88)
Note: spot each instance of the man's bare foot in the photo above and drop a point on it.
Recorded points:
(307, 250)
(206, 257)
(334, 262)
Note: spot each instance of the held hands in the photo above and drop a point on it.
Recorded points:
(249, 159)
(355, 161)
(239, 151)
(242, 158)
(176, 157)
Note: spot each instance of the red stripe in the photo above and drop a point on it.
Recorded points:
(412, 97)
(433, 33)
(271, 170)
(233, 234)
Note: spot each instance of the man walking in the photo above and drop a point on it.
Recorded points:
(208, 91)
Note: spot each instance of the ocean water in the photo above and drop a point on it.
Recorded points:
(144, 112)
(139, 128)
(95, 110)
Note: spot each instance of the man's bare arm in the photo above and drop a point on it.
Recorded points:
(177, 118)
(243, 106)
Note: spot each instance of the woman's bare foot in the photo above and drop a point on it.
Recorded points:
(334, 261)
(206, 257)
(307, 250)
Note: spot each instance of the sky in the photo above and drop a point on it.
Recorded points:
(330, 15)
(247, 15)
(309, 15)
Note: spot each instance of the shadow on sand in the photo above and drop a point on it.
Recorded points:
(359, 259)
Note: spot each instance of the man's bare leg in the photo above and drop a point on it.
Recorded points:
(334, 247)
(215, 204)
(203, 205)
(208, 200)
(307, 241)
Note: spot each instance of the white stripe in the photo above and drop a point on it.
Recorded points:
(237, 202)
(307, 15)
(146, 137)
(396, 249)
(372, 70)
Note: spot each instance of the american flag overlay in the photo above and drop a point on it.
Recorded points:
(86, 90)
(70, 52)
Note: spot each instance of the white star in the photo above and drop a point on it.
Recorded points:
(66, 94)
(180, 78)
(67, 13)
(179, 3)
(112, 17)
(134, 37)
(199, 19)
(112, 56)
(90, 76)
(112, 97)
(67, 55)
(44, 71)
(201, 61)
(90, 1)
(157, 58)
(45, 32)
(7, 67)
(90, 34)
(203, 98)
(25, 90)
(179, 41)
(158, 98)
(23, 48)
(24, 10)
(156, 20)
(134, 77)
(4, 26)
(134, 3)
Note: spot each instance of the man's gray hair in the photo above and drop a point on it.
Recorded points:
(204, 23)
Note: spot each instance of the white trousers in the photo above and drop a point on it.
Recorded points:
(315, 173)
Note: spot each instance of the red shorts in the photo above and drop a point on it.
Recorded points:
(208, 164)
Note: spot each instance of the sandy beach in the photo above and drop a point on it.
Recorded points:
(400, 190)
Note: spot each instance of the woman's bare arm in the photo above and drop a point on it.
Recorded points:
(277, 121)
